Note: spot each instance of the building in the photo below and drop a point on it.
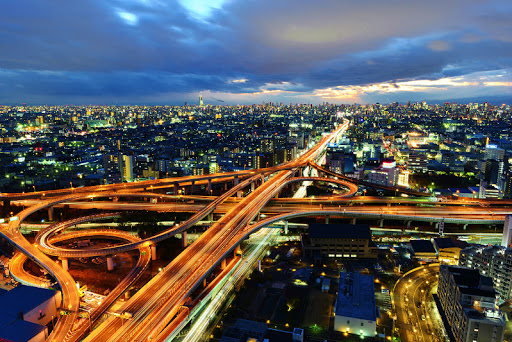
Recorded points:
(251, 331)
(469, 304)
(423, 250)
(26, 310)
(343, 241)
(491, 261)
(355, 311)
(494, 152)
(448, 249)
(387, 174)
(111, 170)
(417, 163)
(126, 167)
(506, 238)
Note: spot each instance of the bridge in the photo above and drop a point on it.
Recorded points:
(159, 304)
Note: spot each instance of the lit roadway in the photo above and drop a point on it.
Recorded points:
(162, 298)
(413, 305)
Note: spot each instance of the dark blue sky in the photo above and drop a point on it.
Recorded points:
(249, 51)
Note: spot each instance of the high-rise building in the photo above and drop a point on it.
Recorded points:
(506, 239)
(493, 152)
(469, 302)
(111, 170)
(417, 163)
(126, 168)
(491, 261)
(387, 174)
(201, 100)
(493, 169)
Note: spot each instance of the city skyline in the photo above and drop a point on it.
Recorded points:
(232, 52)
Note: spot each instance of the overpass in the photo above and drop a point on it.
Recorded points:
(162, 298)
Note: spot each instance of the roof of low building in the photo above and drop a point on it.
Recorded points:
(20, 331)
(339, 231)
(356, 296)
(22, 299)
(422, 246)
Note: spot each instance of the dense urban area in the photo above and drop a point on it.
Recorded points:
(271, 222)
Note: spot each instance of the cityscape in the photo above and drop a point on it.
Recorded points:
(229, 171)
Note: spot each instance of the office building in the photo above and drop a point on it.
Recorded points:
(469, 304)
(491, 261)
(494, 152)
(126, 167)
(387, 174)
(417, 163)
(343, 241)
(506, 238)
(355, 311)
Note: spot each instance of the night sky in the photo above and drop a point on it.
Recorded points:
(250, 51)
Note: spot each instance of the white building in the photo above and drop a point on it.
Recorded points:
(355, 311)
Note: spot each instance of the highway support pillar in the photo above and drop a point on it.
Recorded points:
(262, 178)
(192, 187)
(300, 172)
(237, 251)
(465, 226)
(209, 189)
(409, 224)
(252, 186)
(236, 180)
(65, 264)
(259, 265)
(50, 214)
(205, 283)
(115, 199)
(239, 194)
(6, 207)
(110, 263)
(153, 252)
(354, 220)
(285, 227)
(184, 239)
(223, 264)
(210, 217)
(382, 223)
(326, 219)
(176, 188)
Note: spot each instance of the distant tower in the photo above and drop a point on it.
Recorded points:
(506, 239)
(200, 100)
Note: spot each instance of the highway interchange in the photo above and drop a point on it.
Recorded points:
(161, 301)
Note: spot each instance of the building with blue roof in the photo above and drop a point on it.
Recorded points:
(26, 310)
(23, 331)
(355, 311)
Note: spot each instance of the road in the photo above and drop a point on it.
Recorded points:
(413, 304)
(162, 298)
(171, 288)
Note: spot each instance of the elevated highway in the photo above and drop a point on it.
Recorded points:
(161, 300)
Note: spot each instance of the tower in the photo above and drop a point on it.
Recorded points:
(200, 100)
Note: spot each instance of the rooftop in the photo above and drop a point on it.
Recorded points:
(20, 331)
(21, 299)
(339, 231)
(422, 246)
(356, 296)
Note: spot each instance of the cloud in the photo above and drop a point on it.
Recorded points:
(152, 49)
(439, 45)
